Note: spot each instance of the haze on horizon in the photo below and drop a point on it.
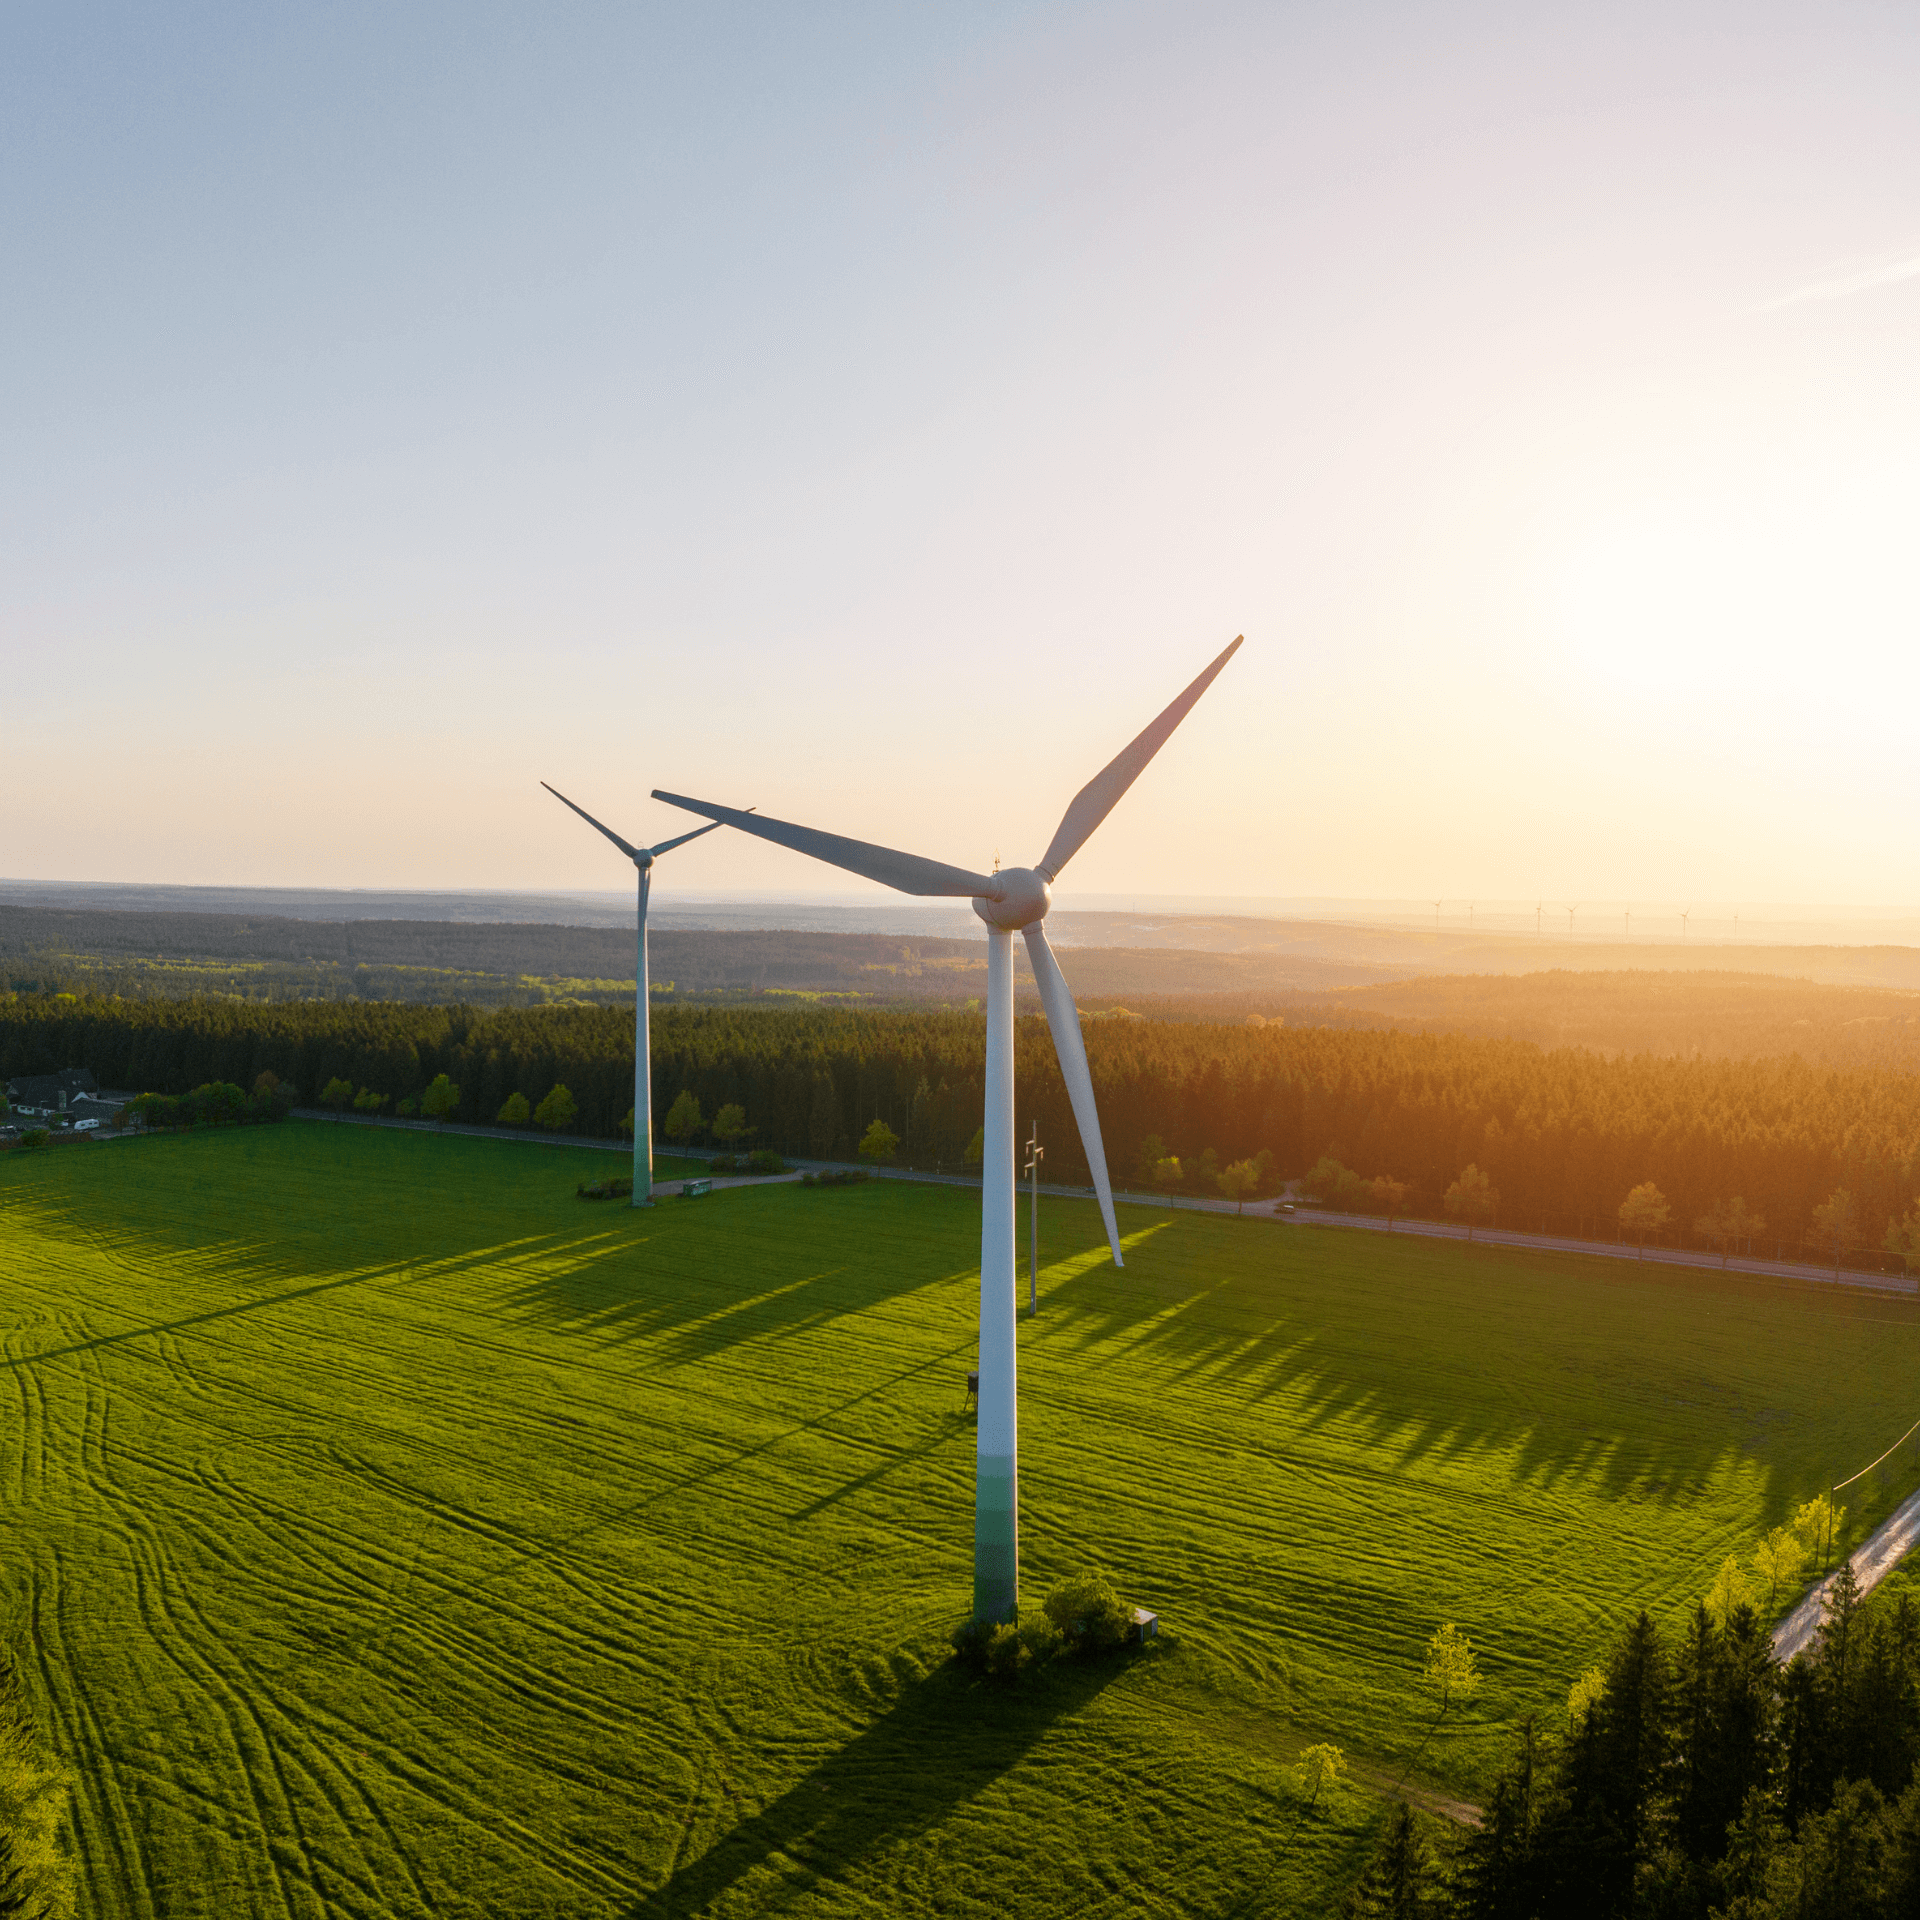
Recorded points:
(877, 415)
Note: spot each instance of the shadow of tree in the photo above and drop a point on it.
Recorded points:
(947, 1738)
(1635, 1386)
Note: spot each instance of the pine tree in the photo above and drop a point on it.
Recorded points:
(1400, 1884)
(1497, 1876)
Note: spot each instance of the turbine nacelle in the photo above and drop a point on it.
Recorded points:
(1022, 900)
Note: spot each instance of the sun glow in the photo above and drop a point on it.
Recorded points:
(1742, 588)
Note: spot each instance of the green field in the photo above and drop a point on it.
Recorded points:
(394, 1534)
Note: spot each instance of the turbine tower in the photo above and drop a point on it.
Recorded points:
(643, 858)
(1014, 899)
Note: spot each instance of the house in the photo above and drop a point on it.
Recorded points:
(50, 1092)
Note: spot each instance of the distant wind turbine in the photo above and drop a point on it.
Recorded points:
(1014, 898)
(1436, 916)
(1684, 917)
(643, 858)
(1571, 911)
(1539, 907)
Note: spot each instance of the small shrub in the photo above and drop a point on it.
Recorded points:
(1040, 1637)
(34, 1137)
(367, 1101)
(337, 1093)
(604, 1189)
(765, 1160)
(969, 1640)
(1007, 1655)
(725, 1163)
(514, 1111)
(408, 1107)
(836, 1177)
(1088, 1613)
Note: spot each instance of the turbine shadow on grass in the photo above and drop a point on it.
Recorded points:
(947, 1738)
(686, 1294)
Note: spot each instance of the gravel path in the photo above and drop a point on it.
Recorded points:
(1891, 1542)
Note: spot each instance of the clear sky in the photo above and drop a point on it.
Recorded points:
(876, 414)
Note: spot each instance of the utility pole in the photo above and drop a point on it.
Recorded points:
(1035, 1154)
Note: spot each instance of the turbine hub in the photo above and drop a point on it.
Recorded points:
(1024, 898)
(643, 859)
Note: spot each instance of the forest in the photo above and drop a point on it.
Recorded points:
(1564, 1133)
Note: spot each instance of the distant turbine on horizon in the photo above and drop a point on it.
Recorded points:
(643, 859)
(1009, 899)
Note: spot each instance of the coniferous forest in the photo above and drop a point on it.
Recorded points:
(1697, 1779)
(1563, 1133)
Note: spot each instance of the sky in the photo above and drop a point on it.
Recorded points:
(877, 414)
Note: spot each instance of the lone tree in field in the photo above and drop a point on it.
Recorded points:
(1836, 1226)
(558, 1110)
(441, 1099)
(1320, 1769)
(1237, 1181)
(1472, 1198)
(683, 1117)
(730, 1125)
(1390, 1196)
(879, 1143)
(514, 1111)
(1644, 1211)
(1450, 1673)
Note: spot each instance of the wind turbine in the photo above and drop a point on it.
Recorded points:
(643, 858)
(1014, 898)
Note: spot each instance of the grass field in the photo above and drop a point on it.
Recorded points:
(393, 1534)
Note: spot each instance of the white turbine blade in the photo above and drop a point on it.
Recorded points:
(1101, 794)
(1063, 1019)
(667, 846)
(632, 853)
(906, 872)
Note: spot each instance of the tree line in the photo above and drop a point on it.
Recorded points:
(1562, 1134)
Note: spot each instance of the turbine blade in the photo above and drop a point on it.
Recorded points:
(906, 872)
(632, 853)
(1101, 794)
(667, 846)
(1063, 1020)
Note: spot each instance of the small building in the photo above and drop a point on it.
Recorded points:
(50, 1092)
(1146, 1626)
